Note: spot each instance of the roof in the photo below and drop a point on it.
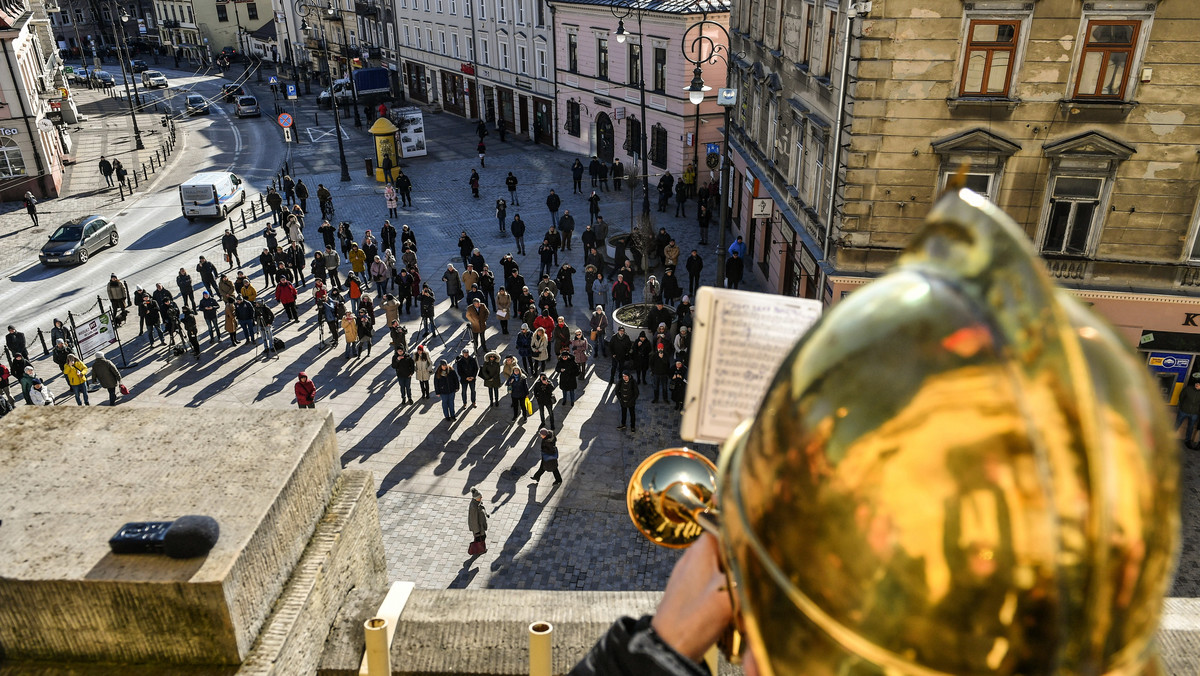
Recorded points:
(265, 33)
(663, 6)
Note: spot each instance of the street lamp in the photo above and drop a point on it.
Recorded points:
(303, 7)
(622, 9)
(708, 50)
(123, 55)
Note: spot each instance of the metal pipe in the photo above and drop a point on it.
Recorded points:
(837, 154)
(379, 659)
(540, 649)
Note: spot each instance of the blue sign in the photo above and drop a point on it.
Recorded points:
(291, 91)
(273, 80)
(713, 148)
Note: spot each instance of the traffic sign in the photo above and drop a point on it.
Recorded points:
(291, 91)
(287, 134)
(285, 120)
(273, 80)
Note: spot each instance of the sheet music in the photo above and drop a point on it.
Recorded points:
(740, 339)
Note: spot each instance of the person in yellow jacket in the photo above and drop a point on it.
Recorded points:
(358, 261)
(350, 328)
(77, 373)
(249, 292)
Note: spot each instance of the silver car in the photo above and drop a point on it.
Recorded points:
(74, 241)
(247, 106)
(197, 105)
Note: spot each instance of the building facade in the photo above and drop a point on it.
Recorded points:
(178, 31)
(225, 23)
(482, 59)
(31, 146)
(1075, 118)
(600, 83)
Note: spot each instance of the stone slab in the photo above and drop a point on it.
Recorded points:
(71, 476)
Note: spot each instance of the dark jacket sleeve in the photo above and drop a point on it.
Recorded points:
(632, 647)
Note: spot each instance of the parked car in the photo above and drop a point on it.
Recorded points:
(138, 66)
(103, 78)
(74, 241)
(153, 78)
(83, 73)
(197, 105)
(231, 92)
(247, 106)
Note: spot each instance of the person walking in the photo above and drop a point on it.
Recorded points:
(77, 373)
(467, 370)
(31, 207)
(627, 395)
(482, 150)
(302, 195)
(553, 202)
(229, 244)
(474, 181)
(119, 171)
(106, 170)
(324, 201)
(306, 391)
(107, 374)
(517, 228)
(445, 385)
(404, 187)
(549, 456)
(477, 520)
(577, 177)
(511, 183)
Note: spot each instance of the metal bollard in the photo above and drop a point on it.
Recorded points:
(316, 119)
(135, 182)
(243, 212)
(42, 339)
(121, 187)
(253, 210)
(156, 154)
(145, 176)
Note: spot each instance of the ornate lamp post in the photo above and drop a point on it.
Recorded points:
(303, 8)
(701, 49)
(621, 9)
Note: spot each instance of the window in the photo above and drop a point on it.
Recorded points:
(191, 17)
(573, 118)
(660, 70)
(484, 55)
(467, 8)
(426, 5)
(573, 52)
(1104, 64)
(454, 44)
(501, 11)
(541, 62)
(818, 151)
(1074, 204)
(520, 11)
(454, 6)
(11, 162)
(797, 177)
(541, 12)
(830, 40)
(633, 137)
(522, 61)
(407, 37)
(429, 38)
(602, 58)
(419, 44)
(442, 41)
(658, 146)
(983, 183)
(504, 55)
(251, 11)
(470, 46)
(439, 6)
(635, 65)
(772, 128)
(222, 13)
(482, 9)
(991, 52)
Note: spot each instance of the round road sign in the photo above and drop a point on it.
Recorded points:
(285, 120)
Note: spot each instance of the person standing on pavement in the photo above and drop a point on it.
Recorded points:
(482, 150)
(404, 367)
(186, 288)
(594, 171)
(306, 391)
(734, 268)
(445, 385)
(31, 207)
(275, 201)
(106, 170)
(553, 202)
(543, 393)
(325, 201)
(568, 371)
(404, 187)
(518, 392)
(302, 195)
(577, 177)
(453, 282)
(332, 260)
(474, 182)
(603, 177)
(511, 183)
(566, 229)
(618, 173)
(549, 456)
(5, 387)
(501, 213)
(208, 307)
(229, 244)
(517, 228)
(620, 348)
(289, 190)
(107, 375)
(477, 316)
(244, 311)
(389, 200)
(467, 370)
(77, 373)
(598, 324)
(1189, 410)
(694, 264)
(477, 514)
(627, 395)
(490, 374)
(704, 219)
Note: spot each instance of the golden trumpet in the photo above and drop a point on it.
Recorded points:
(959, 470)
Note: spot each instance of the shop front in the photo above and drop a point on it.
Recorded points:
(416, 81)
(453, 98)
(507, 109)
(543, 121)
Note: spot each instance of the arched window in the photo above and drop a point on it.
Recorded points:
(11, 162)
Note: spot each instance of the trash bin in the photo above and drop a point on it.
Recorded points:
(370, 162)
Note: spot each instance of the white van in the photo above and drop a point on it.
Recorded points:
(212, 193)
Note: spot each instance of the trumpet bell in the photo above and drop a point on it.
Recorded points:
(670, 494)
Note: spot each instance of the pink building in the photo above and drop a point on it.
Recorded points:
(598, 94)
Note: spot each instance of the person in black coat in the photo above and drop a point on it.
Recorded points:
(734, 268)
(568, 377)
(518, 391)
(566, 283)
(627, 395)
(549, 456)
(229, 243)
(15, 340)
(404, 367)
(468, 371)
(639, 357)
(620, 348)
(445, 384)
(577, 177)
(517, 228)
(543, 392)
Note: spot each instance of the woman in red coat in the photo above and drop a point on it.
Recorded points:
(285, 293)
(306, 392)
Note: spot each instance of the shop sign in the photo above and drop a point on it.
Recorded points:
(1189, 318)
(602, 102)
(761, 208)
(467, 68)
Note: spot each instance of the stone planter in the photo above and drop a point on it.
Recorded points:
(633, 318)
